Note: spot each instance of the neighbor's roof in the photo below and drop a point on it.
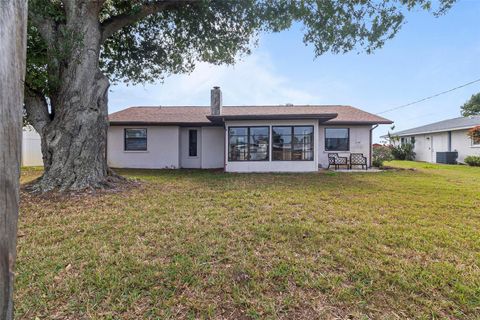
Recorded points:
(189, 115)
(445, 125)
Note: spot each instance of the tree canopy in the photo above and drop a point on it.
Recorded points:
(472, 106)
(146, 40)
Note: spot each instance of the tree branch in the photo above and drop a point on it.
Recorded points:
(37, 109)
(115, 23)
(45, 26)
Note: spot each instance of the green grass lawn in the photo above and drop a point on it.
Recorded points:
(202, 244)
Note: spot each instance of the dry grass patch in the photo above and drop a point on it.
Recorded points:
(200, 244)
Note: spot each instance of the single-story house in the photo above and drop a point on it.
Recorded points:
(285, 138)
(444, 136)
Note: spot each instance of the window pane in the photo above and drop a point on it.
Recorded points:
(238, 140)
(238, 147)
(192, 143)
(248, 143)
(282, 143)
(238, 131)
(282, 131)
(238, 144)
(258, 146)
(476, 140)
(287, 139)
(305, 139)
(298, 147)
(303, 130)
(238, 153)
(337, 139)
(282, 152)
(135, 133)
(135, 144)
(302, 152)
(337, 133)
(259, 131)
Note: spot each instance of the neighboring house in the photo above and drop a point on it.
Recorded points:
(31, 148)
(238, 138)
(443, 136)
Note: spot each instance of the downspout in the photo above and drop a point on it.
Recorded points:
(225, 146)
(371, 143)
(106, 143)
(449, 137)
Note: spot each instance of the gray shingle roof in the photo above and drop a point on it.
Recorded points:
(445, 125)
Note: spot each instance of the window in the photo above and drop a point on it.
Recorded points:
(407, 140)
(192, 143)
(136, 139)
(337, 139)
(248, 143)
(476, 140)
(292, 143)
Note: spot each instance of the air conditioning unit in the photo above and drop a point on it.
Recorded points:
(447, 157)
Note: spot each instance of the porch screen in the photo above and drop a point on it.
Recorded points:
(292, 143)
(248, 143)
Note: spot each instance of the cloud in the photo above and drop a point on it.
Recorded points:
(254, 80)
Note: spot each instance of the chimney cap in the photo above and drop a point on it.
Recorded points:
(216, 87)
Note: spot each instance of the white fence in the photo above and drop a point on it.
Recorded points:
(31, 148)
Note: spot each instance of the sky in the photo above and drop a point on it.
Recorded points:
(429, 55)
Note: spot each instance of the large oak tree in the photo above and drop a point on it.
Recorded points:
(76, 48)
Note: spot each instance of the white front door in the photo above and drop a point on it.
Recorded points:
(190, 147)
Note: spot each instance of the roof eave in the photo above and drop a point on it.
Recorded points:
(335, 122)
(223, 118)
(406, 134)
(156, 123)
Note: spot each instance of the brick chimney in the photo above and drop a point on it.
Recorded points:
(216, 101)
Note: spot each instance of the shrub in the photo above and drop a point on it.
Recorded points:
(381, 154)
(474, 134)
(473, 161)
(403, 152)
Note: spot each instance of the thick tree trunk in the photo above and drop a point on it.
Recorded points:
(74, 142)
(13, 20)
(74, 135)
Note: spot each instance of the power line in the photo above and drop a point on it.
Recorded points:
(430, 97)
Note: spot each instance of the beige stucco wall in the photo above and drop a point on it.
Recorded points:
(463, 145)
(359, 143)
(213, 147)
(272, 166)
(31, 148)
(162, 148)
